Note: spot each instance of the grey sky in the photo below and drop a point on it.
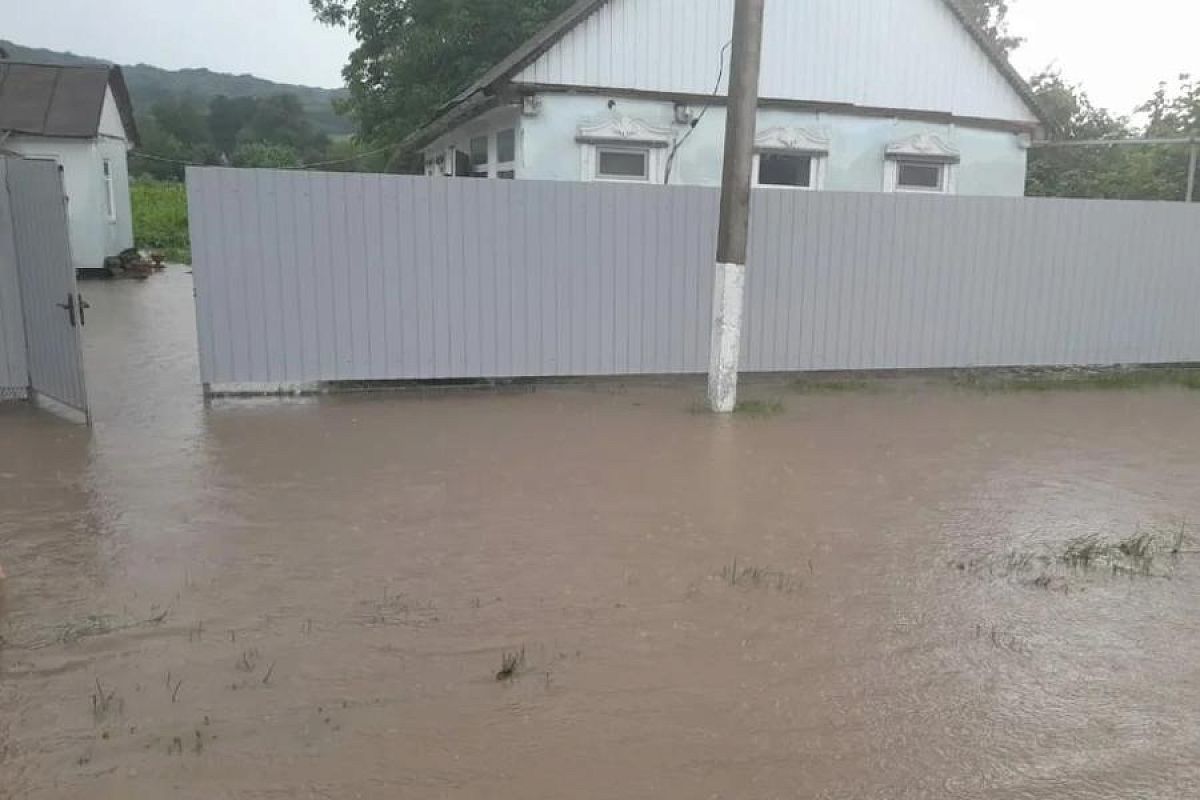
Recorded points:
(1117, 53)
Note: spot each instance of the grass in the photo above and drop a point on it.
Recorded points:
(1076, 380)
(511, 665)
(1142, 553)
(759, 408)
(160, 219)
(809, 386)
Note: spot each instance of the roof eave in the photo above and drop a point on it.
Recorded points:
(565, 22)
(116, 82)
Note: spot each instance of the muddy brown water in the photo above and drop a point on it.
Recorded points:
(313, 598)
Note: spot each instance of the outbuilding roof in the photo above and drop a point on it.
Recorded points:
(60, 100)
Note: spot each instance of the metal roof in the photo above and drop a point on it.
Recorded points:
(544, 39)
(61, 100)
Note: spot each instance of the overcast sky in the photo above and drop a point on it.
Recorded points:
(1119, 51)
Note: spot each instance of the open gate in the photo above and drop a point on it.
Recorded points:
(33, 210)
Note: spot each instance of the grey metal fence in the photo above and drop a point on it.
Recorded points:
(309, 277)
(14, 371)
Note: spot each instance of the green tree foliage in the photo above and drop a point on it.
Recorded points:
(992, 18)
(1117, 172)
(245, 131)
(413, 55)
(267, 155)
(227, 116)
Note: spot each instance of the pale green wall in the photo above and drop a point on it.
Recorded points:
(993, 162)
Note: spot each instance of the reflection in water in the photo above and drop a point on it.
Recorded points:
(312, 599)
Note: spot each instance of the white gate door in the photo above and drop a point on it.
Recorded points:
(54, 310)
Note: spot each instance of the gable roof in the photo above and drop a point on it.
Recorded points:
(61, 100)
(578, 12)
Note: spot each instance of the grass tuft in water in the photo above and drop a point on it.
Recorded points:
(810, 386)
(759, 408)
(751, 576)
(511, 665)
(1076, 380)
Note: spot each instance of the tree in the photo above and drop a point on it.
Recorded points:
(1119, 172)
(992, 18)
(183, 119)
(264, 154)
(226, 118)
(413, 55)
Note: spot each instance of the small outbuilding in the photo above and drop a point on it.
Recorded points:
(81, 118)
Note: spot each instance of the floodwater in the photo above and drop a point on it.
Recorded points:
(312, 599)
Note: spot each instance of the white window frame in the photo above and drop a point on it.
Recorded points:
(646, 152)
(618, 133)
(793, 142)
(109, 189)
(925, 149)
(945, 184)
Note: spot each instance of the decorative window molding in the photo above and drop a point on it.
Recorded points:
(798, 143)
(922, 152)
(624, 134)
(793, 140)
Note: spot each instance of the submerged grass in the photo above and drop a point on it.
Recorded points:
(836, 386)
(759, 408)
(1144, 553)
(750, 576)
(511, 665)
(1076, 380)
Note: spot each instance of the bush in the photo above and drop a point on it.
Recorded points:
(160, 219)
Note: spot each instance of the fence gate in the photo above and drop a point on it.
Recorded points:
(53, 309)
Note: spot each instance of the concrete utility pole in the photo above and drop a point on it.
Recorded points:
(730, 280)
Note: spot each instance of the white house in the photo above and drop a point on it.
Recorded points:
(857, 95)
(81, 118)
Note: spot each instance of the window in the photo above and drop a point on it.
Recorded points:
(110, 197)
(506, 154)
(625, 149)
(918, 176)
(785, 169)
(925, 162)
(506, 146)
(622, 164)
(479, 157)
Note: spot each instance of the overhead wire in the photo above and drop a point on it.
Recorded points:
(699, 117)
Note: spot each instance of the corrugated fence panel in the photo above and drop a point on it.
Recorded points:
(306, 277)
(14, 372)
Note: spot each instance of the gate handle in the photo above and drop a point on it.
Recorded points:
(69, 307)
(82, 305)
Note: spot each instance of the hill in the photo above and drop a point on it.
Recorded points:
(149, 85)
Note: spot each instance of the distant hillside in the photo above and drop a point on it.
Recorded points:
(148, 85)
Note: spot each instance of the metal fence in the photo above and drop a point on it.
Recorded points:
(14, 371)
(309, 277)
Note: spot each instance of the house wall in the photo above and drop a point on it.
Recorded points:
(993, 162)
(911, 54)
(93, 235)
(486, 124)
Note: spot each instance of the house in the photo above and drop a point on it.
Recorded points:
(81, 118)
(856, 95)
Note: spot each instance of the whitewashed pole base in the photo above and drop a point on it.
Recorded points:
(728, 291)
